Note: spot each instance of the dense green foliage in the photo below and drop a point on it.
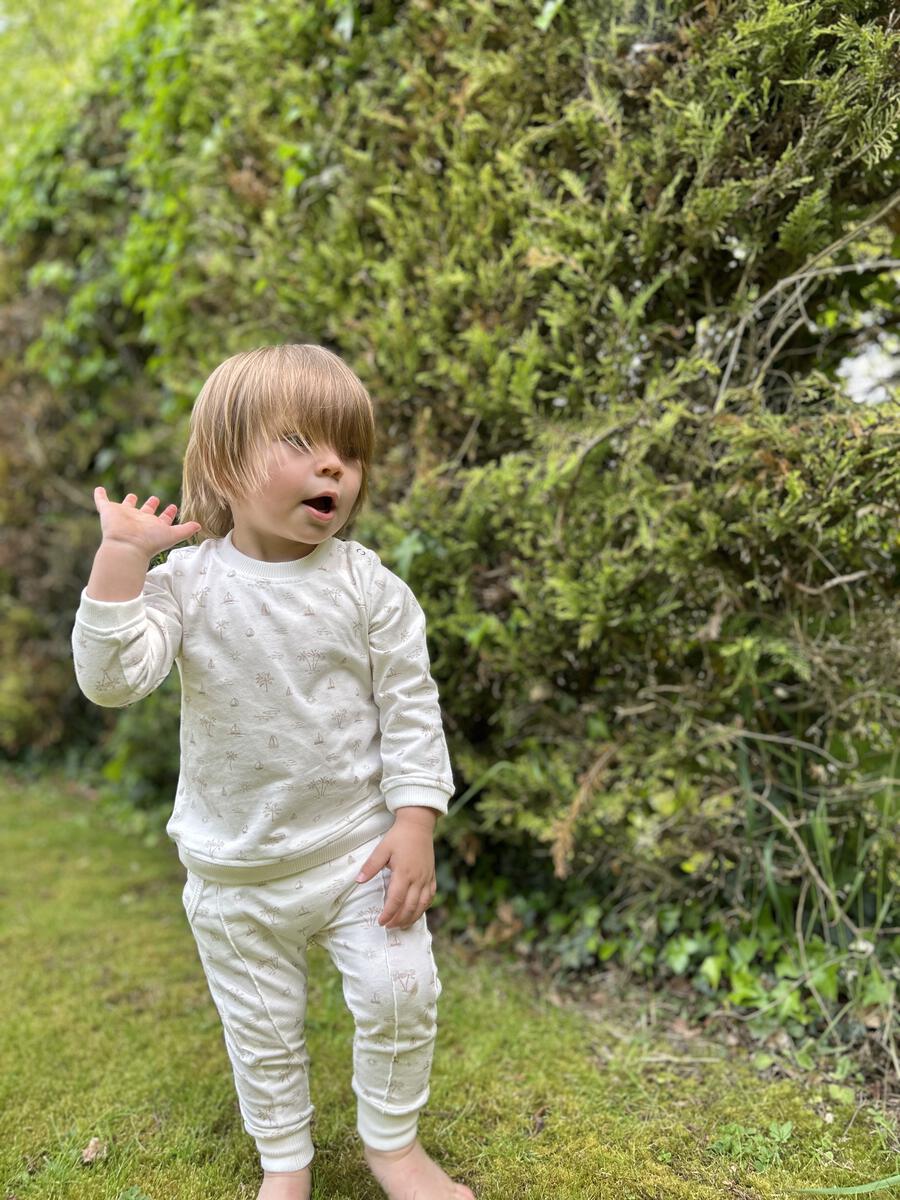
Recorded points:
(599, 274)
(46, 54)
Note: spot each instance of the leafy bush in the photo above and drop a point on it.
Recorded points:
(599, 271)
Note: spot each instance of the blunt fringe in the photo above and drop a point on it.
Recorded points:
(297, 390)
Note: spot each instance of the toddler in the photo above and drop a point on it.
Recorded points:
(313, 761)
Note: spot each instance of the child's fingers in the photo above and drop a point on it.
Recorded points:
(402, 910)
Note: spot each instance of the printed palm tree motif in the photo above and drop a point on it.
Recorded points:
(266, 1114)
(333, 594)
(340, 717)
(271, 809)
(272, 963)
(263, 679)
(221, 626)
(213, 846)
(321, 784)
(200, 596)
(407, 980)
(312, 659)
(370, 916)
(271, 912)
(230, 757)
(208, 722)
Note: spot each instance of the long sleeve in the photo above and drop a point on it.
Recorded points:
(415, 760)
(124, 649)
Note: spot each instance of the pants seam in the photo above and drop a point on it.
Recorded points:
(387, 960)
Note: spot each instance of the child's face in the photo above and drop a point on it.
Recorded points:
(275, 524)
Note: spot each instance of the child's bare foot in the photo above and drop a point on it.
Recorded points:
(286, 1185)
(409, 1174)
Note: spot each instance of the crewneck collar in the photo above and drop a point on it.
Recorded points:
(295, 568)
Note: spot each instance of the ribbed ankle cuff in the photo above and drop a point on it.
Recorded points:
(287, 1151)
(385, 1131)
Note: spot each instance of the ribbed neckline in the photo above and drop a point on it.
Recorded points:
(293, 569)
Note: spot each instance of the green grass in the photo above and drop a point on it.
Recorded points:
(107, 1031)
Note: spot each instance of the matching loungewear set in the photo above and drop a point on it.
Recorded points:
(309, 716)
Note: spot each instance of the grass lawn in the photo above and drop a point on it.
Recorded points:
(108, 1032)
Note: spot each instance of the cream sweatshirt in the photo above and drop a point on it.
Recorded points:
(308, 710)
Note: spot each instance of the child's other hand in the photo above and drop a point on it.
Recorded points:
(140, 527)
(408, 849)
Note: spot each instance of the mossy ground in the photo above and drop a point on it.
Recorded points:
(107, 1031)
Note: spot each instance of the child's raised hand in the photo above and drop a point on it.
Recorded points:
(141, 527)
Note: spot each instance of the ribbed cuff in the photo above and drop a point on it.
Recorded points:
(109, 614)
(384, 1131)
(408, 794)
(287, 1151)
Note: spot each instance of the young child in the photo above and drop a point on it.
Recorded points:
(313, 759)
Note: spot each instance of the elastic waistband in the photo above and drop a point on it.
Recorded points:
(380, 821)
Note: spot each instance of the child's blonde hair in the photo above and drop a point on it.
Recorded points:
(298, 390)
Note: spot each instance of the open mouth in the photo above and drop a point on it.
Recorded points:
(322, 506)
(322, 503)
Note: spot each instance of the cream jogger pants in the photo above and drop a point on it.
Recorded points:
(252, 941)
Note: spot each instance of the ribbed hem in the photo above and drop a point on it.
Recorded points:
(409, 794)
(380, 821)
(385, 1131)
(287, 1151)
